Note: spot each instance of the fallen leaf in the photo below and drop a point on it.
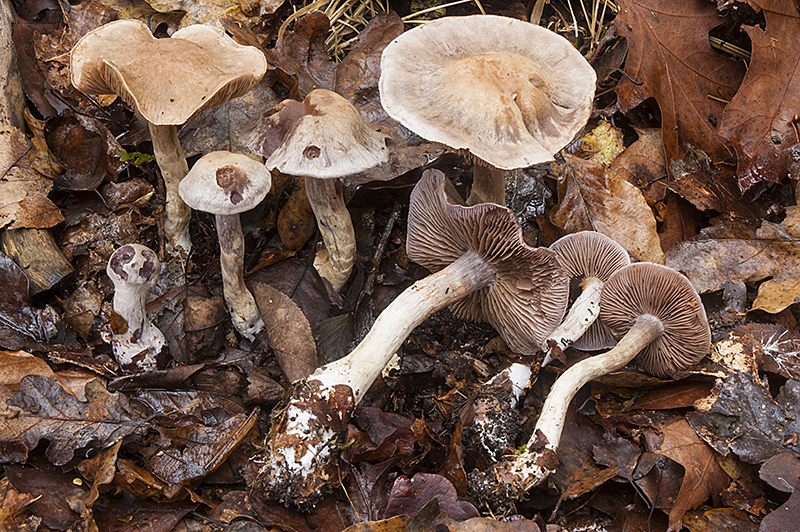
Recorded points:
(382, 436)
(18, 364)
(602, 144)
(718, 519)
(759, 120)
(296, 222)
(409, 496)
(782, 472)
(17, 312)
(208, 12)
(670, 55)
(591, 198)
(773, 251)
(642, 165)
(50, 489)
(703, 477)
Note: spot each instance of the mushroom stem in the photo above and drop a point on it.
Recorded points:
(581, 316)
(488, 185)
(333, 220)
(173, 165)
(299, 452)
(244, 310)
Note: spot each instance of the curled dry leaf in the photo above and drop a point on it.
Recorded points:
(591, 198)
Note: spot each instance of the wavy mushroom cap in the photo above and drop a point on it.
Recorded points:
(509, 92)
(647, 288)
(323, 137)
(133, 264)
(590, 254)
(224, 183)
(166, 80)
(529, 296)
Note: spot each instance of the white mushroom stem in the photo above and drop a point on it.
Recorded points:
(530, 468)
(138, 347)
(336, 227)
(242, 305)
(488, 185)
(583, 313)
(173, 165)
(298, 452)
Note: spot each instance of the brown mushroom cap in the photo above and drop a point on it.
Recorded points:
(529, 297)
(323, 137)
(166, 80)
(647, 288)
(509, 92)
(223, 183)
(590, 254)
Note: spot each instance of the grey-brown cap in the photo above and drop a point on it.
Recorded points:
(324, 137)
(590, 254)
(133, 264)
(647, 288)
(529, 297)
(509, 92)
(222, 182)
(166, 80)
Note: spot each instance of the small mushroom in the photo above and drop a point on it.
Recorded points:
(226, 184)
(321, 139)
(167, 81)
(508, 92)
(134, 269)
(482, 266)
(655, 313)
(590, 258)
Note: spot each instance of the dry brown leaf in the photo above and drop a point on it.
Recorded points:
(642, 165)
(774, 251)
(591, 198)
(703, 477)
(14, 365)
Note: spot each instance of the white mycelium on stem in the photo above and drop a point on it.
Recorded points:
(481, 264)
(657, 315)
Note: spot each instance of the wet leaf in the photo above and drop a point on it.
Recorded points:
(669, 53)
(17, 312)
(409, 496)
(42, 409)
(50, 488)
(385, 435)
(719, 519)
(772, 251)
(703, 477)
(591, 198)
(782, 472)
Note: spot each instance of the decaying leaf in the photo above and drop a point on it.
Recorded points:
(409, 496)
(782, 472)
(702, 478)
(17, 313)
(773, 251)
(591, 198)
(208, 12)
(642, 165)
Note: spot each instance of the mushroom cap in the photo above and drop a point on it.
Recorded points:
(647, 288)
(323, 137)
(529, 296)
(223, 183)
(166, 80)
(509, 92)
(133, 264)
(590, 254)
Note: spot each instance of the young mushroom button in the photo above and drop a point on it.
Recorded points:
(226, 184)
(134, 269)
(655, 313)
(321, 139)
(508, 92)
(167, 81)
(479, 257)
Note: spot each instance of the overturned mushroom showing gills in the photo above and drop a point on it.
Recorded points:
(226, 184)
(508, 92)
(167, 81)
(321, 139)
(655, 313)
(590, 258)
(134, 269)
(481, 263)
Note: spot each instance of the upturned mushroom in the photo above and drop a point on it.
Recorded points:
(482, 267)
(226, 184)
(167, 81)
(509, 93)
(134, 269)
(655, 313)
(321, 139)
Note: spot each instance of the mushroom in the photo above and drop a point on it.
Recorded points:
(590, 259)
(167, 81)
(134, 269)
(226, 184)
(655, 313)
(321, 139)
(508, 92)
(482, 267)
